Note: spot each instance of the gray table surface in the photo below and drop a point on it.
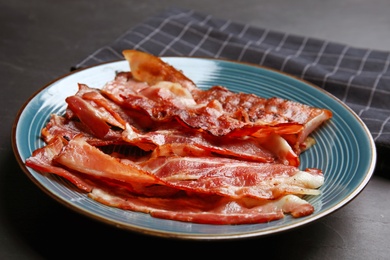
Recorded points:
(41, 40)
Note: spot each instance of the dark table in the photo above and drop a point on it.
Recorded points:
(42, 40)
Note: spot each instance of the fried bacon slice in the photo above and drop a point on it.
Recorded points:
(42, 161)
(214, 210)
(151, 141)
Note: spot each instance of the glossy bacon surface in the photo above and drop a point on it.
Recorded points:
(151, 141)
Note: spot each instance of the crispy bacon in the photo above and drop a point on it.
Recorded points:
(151, 69)
(82, 157)
(151, 141)
(42, 160)
(272, 111)
(68, 129)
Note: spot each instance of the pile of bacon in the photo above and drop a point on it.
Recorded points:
(151, 141)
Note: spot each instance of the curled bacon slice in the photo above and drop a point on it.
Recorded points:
(208, 210)
(151, 69)
(82, 157)
(42, 161)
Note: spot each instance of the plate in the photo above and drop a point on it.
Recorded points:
(345, 150)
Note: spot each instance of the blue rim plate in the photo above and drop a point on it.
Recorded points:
(345, 150)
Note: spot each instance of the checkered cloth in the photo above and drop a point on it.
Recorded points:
(359, 77)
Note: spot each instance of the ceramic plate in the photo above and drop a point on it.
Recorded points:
(345, 150)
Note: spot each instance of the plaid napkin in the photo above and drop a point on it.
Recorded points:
(359, 77)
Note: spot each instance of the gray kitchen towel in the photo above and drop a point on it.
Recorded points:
(359, 77)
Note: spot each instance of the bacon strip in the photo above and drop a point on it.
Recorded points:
(82, 157)
(42, 160)
(68, 129)
(207, 210)
(233, 178)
